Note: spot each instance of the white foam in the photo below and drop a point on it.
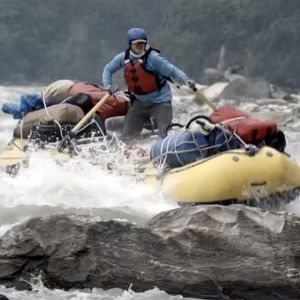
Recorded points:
(81, 185)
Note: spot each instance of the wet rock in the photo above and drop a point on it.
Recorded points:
(295, 109)
(289, 120)
(276, 108)
(295, 125)
(295, 97)
(271, 101)
(251, 107)
(213, 91)
(2, 297)
(230, 75)
(289, 98)
(208, 252)
(287, 111)
(246, 89)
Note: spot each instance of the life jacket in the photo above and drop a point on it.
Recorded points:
(138, 78)
(250, 130)
(113, 107)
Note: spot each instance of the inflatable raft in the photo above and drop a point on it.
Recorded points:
(16, 154)
(212, 164)
(205, 166)
(231, 176)
(224, 178)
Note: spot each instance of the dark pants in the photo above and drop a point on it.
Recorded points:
(140, 112)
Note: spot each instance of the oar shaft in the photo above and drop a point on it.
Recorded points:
(205, 100)
(90, 113)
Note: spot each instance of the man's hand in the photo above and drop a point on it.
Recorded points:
(191, 84)
(113, 87)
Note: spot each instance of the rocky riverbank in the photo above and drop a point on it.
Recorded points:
(209, 252)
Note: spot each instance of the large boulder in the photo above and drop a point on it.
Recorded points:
(210, 252)
(246, 89)
(212, 92)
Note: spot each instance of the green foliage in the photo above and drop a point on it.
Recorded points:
(261, 35)
(42, 41)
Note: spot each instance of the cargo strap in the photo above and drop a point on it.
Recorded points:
(160, 161)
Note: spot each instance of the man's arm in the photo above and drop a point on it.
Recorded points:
(112, 67)
(164, 67)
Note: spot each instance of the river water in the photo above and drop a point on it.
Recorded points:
(47, 188)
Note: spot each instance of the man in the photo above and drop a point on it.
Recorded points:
(146, 73)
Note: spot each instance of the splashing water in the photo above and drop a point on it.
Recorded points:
(75, 187)
(80, 187)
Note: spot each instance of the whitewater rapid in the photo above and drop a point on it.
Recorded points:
(79, 187)
(46, 187)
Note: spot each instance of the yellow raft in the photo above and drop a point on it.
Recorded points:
(15, 153)
(228, 176)
(231, 175)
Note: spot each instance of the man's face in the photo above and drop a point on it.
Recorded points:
(138, 47)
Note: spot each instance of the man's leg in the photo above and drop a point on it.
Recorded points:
(114, 125)
(163, 114)
(135, 119)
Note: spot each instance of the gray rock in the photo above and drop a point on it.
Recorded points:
(246, 89)
(271, 101)
(295, 98)
(2, 297)
(289, 120)
(296, 125)
(289, 98)
(229, 76)
(251, 107)
(211, 252)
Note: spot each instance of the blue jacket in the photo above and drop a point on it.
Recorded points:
(156, 62)
(28, 103)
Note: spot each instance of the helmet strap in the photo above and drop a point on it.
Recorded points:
(136, 55)
(132, 53)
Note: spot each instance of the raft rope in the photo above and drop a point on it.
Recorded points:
(55, 121)
(59, 125)
(248, 147)
(21, 134)
(160, 161)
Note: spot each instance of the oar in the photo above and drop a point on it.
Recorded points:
(248, 147)
(204, 99)
(71, 135)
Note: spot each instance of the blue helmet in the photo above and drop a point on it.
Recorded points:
(136, 34)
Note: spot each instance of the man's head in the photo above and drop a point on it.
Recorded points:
(137, 40)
